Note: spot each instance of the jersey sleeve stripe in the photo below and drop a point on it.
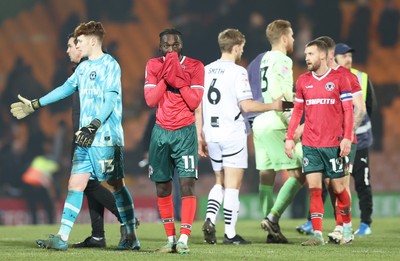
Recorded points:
(197, 86)
(149, 85)
(298, 100)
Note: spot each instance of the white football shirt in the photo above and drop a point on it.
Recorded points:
(226, 85)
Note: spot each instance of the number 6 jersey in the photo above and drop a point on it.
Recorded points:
(226, 84)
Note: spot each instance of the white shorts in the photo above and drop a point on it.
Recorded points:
(232, 154)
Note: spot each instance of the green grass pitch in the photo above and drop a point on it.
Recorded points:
(18, 243)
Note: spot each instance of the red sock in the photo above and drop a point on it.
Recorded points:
(166, 210)
(316, 208)
(188, 213)
(338, 216)
(344, 205)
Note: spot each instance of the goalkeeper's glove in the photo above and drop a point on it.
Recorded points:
(24, 107)
(84, 136)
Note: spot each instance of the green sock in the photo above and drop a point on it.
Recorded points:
(285, 196)
(266, 198)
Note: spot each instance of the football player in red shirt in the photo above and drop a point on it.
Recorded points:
(325, 97)
(175, 84)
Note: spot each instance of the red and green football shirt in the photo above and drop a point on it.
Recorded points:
(175, 107)
(324, 100)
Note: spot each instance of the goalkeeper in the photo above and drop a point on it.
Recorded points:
(269, 129)
(99, 140)
(98, 197)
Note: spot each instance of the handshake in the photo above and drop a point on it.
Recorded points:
(172, 72)
(287, 105)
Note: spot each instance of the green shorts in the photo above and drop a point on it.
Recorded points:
(269, 148)
(350, 159)
(171, 150)
(325, 160)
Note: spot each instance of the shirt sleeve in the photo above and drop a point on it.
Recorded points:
(61, 92)
(113, 80)
(355, 84)
(153, 88)
(281, 80)
(193, 95)
(242, 86)
(110, 99)
(297, 111)
(347, 105)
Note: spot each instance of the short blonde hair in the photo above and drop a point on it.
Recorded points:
(276, 29)
(229, 38)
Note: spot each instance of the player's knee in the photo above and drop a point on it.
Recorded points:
(187, 189)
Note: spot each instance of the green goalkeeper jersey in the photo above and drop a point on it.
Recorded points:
(276, 80)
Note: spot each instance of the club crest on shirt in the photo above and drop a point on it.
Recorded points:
(329, 86)
(93, 75)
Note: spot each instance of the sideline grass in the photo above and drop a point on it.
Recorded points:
(17, 243)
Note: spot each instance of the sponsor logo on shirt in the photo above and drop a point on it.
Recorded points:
(90, 92)
(320, 101)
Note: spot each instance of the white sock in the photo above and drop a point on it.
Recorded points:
(339, 228)
(183, 238)
(171, 239)
(231, 211)
(347, 224)
(215, 198)
(318, 232)
(273, 218)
